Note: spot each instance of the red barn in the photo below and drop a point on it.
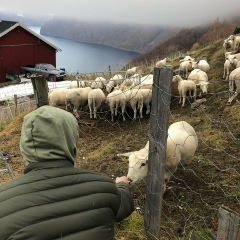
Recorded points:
(19, 46)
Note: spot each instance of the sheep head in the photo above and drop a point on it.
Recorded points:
(138, 167)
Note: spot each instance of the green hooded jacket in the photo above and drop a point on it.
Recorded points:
(54, 200)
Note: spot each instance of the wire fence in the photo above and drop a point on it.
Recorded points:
(194, 192)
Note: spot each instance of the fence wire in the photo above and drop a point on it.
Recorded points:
(194, 192)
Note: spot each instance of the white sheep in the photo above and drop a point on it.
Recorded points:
(114, 100)
(78, 98)
(147, 98)
(186, 58)
(115, 81)
(185, 67)
(57, 97)
(162, 62)
(202, 65)
(229, 64)
(99, 82)
(230, 56)
(131, 71)
(131, 81)
(184, 87)
(236, 41)
(77, 84)
(95, 99)
(182, 142)
(234, 77)
(146, 82)
(134, 99)
(227, 44)
(201, 79)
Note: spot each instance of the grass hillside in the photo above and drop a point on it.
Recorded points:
(195, 192)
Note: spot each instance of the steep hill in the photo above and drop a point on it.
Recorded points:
(136, 38)
(188, 40)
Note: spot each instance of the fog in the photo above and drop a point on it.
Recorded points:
(157, 12)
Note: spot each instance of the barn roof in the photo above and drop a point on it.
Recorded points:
(7, 26)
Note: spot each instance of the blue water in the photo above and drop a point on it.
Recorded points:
(87, 57)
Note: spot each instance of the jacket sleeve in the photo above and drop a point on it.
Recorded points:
(126, 205)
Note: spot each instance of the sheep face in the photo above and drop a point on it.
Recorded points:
(109, 88)
(138, 167)
(203, 86)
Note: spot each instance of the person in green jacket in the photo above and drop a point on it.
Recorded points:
(54, 200)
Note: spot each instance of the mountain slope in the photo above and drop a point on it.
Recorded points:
(136, 38)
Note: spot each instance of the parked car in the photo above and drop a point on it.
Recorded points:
(43, 68)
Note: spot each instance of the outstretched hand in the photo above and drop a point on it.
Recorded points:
(122, 179)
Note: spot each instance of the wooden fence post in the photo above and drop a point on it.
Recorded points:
(16, 104)
(228, 224)
(159, 118)
(40, 88)
(110, 73)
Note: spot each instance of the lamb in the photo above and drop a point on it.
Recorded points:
(134, 99)
(184, 87)
(57, 97)
(236, 41)
(147, 98)
(201, 79)
(182, 143)
(78, 98)
(95, 99)
(202, 65)
(185, 67)
(115, 99)
(116, 80)
(162, 62)
(131, 71)
(234, 77)
(230, 56)
(229, 64)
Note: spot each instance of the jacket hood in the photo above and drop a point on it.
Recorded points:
(49, 133)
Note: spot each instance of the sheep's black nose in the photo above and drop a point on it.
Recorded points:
(129, 181)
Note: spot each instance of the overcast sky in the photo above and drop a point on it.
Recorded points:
(160, 12)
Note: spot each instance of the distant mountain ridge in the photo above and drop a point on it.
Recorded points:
(130, 37)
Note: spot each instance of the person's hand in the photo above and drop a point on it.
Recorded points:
(122, 179)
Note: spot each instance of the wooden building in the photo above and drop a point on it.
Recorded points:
(19, 46)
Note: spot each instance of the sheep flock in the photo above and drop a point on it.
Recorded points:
(132, 91)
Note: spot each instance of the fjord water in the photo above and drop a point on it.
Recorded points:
(87, 57)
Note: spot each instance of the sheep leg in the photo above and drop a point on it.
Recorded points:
(112, 114)
(90, 110)
(232, 98)
(123, 110)
(180, 98)
(140, 110)
(148, 108)
(95, 112)
(75, 112)
(184, 100)
(135, 112)
(116, 109)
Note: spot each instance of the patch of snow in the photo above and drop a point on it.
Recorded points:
(25, 88)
